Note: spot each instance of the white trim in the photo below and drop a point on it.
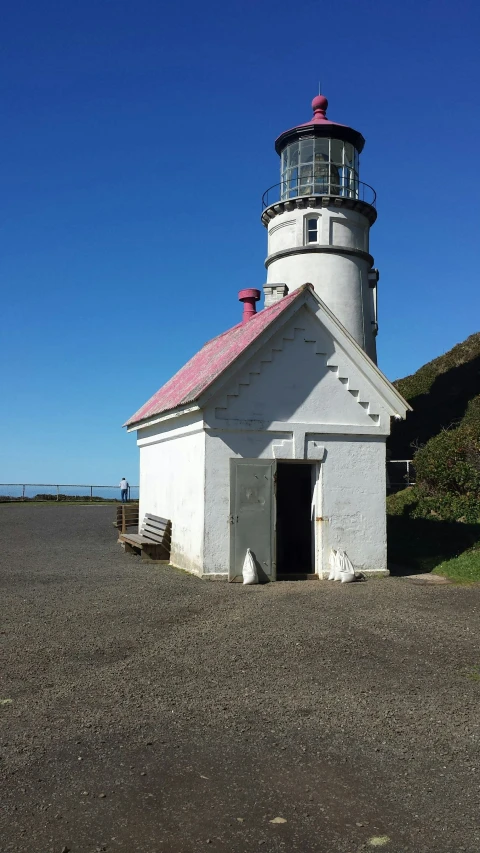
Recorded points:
(168, 436)
(287, 428)
(166, 417)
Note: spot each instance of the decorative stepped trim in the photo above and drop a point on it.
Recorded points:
(354, 392)
(220, 411)
(283, 449)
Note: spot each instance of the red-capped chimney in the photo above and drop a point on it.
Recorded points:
(249, 296)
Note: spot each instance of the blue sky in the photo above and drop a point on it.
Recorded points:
(137, 142)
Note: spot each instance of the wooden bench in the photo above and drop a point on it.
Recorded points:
(126, 516)
(153, 541)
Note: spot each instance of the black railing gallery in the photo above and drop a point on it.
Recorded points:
(313, 185)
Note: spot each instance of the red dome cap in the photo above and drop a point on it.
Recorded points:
(320, 125)
(319, 107)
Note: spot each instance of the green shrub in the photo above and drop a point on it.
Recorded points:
(448, 474)
(448, 507)
(402, 503)
(472, 414)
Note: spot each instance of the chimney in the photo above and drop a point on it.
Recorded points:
(274, 292)
(249, 296)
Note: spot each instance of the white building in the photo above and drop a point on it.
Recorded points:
(272, 437)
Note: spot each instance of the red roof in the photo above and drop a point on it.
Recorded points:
(210, 362)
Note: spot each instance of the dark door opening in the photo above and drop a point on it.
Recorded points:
(294, 518)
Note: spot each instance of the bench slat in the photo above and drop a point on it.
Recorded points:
(126, 516)
(153, 531)
(156, 522)
(132, 537)
(158, 525)
(154, 537)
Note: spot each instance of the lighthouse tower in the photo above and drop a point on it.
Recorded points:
(318, 219)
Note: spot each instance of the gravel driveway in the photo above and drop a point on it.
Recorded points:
(152, 711)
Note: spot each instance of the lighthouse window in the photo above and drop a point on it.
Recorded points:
(317, 166)
(312, 230)
(349, 155)
(336, 151)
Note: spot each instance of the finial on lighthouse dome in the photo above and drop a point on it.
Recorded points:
(319, 107)
(320, 126)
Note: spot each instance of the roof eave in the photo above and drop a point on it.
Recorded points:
(322, 130)
(158, 417)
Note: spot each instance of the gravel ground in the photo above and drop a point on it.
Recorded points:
(152, 711)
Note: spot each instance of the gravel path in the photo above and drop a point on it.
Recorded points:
(152, 711)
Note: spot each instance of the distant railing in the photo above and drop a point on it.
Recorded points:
(312, 185)
(62, 492)
(400, 474)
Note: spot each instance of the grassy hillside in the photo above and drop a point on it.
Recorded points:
(436, 524)
(440, 393)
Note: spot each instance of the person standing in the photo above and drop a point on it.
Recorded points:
(124, 490)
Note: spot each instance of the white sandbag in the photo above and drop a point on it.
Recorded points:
(331, 563)
(249, 570)
(347, 573)
(338, 566)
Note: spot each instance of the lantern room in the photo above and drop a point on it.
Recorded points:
(313, 165)
(320, 157)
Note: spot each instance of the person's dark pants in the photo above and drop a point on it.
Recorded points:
(124, 495)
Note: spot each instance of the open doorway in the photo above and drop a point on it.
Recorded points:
(295, 529)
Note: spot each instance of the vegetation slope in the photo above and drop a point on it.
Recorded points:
(437, 520)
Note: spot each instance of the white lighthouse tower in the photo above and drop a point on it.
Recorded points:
(318, 219)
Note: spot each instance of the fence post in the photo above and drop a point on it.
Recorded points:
(408, 472)
(58, 493)
(23, 492)
(91, 493)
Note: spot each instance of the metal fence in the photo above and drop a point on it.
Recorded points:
(400, 474)
(62, 492)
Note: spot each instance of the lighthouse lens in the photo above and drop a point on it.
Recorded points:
(318, 166)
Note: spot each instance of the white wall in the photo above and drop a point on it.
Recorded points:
(350, 496)
(337, 226)
(172, 483)
(354, 500)
(341, 280)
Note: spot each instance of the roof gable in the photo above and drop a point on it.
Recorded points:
(218, 360)
(299, 375)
